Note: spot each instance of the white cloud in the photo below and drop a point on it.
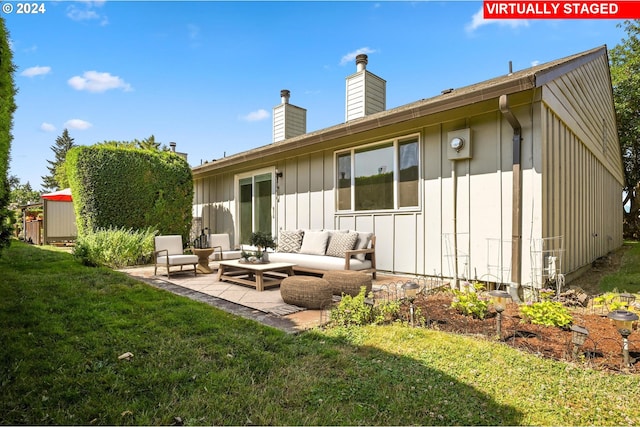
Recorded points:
(36, 71)
(87, 11)
(194, 31)
(93, 81)
(349, 57)
(256, 116)
(47, 127)
(77, 124)
(534, 63)
(477, 21)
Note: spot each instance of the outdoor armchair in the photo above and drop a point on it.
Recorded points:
(222, 248)
(169, 253)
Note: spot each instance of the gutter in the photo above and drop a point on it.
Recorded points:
(516, 219)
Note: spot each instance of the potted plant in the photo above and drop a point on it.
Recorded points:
(262, 241)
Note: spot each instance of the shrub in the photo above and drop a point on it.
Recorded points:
(469, 303)
(358, 311)
(546, 313)
(115, 247)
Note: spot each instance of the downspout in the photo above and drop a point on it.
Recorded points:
(516, 219)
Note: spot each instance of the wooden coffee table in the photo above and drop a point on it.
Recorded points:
(257, 275)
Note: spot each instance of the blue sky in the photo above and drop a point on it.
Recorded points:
(206, 74)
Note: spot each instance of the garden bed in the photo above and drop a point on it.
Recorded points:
(602, 349)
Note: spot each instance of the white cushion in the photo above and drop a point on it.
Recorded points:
(178, 259)
(226, 255)
(314, 242)
(341, 242)
(220, 240)
(316, 262)
(173, 244)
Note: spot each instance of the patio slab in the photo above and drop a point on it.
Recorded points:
(266, 307)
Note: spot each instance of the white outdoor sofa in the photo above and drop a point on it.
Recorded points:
(314, 251)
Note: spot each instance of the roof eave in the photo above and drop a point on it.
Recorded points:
(401, 114)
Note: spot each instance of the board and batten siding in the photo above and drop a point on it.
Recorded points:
(571, 182)
(214, 203)
(582, 167)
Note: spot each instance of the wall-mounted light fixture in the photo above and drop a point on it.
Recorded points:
(278, 173)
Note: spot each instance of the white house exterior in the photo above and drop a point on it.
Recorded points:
(510, 180)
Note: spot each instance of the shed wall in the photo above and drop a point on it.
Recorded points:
(59, 221)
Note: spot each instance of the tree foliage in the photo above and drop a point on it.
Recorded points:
(7, 108)
(22, 194)
(625, 77)
(148, 144)
(57, 178)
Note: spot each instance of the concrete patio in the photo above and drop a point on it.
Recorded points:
(266, 307)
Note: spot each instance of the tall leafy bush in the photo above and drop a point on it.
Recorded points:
(7, 108)
(125, 187)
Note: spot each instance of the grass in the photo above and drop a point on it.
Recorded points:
(64, 326)
(627, 279)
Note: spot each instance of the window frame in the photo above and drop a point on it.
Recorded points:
(237, 195)
(351, 152)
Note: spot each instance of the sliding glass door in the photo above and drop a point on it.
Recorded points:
(256, 204)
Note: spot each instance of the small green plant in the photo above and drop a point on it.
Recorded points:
(469, 302)
(546, 313)
(611, 301)
(359, 310)
(353, 310)
(547, 294)
(387, 312)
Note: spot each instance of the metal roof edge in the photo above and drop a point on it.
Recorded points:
(557, 68)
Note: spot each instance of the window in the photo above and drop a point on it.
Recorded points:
(385, 176)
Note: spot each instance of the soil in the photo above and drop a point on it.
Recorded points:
(601, 350)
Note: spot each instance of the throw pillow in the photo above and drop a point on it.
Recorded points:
(362, 243)
(340, 243)
(290, 241)
(314, 242)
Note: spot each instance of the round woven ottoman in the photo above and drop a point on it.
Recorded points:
(347, 282)
(306, 291)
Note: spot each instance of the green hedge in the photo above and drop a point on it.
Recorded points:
(124, 187)
(7, 108)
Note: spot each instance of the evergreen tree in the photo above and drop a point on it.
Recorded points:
(625, 77)
(22, 194)
(56, 180)
(148, 144)
(7, 108)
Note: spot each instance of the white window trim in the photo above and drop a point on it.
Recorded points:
(236, 194)
(396, 162)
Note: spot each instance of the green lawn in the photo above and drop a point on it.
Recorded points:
(628, 278)
(64, 326)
